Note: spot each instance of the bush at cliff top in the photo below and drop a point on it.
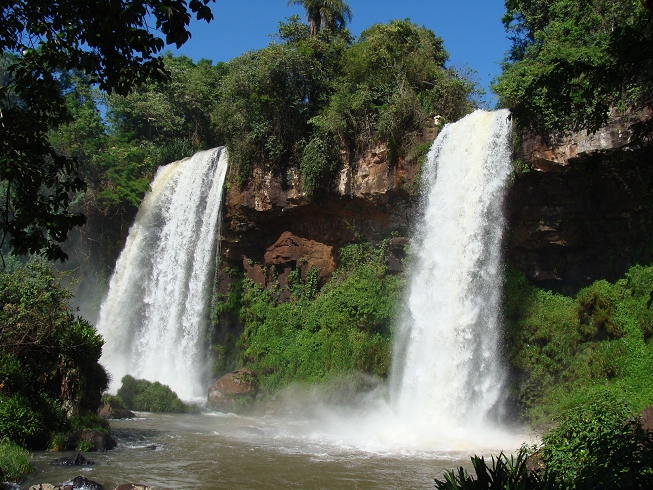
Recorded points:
(147, 396)
(317, 334)
(568, 350)
(48, 357)
(573, 60)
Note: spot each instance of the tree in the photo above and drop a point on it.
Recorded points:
(573, 62)
(111, 42)
(330, 14)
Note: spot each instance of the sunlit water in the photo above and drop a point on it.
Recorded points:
(154, 316)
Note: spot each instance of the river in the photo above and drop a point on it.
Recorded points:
(215, 451)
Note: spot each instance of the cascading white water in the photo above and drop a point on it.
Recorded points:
(154, 316)
(447, 366)
(447, 376)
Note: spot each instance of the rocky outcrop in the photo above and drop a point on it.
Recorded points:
(77, 483)
(114, 410)
(558, 151)
(288, 248)
(99, 441)
(271, 227)
(584, 211)
(225, 394)
(646, 418)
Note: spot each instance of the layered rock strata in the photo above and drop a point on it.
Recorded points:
(584, 210)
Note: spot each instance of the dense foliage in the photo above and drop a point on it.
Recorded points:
(153, 125)
(113, 43)
(49, 367)
(570, 350)
(319, 333)
(306, 98)
(574, 63)
(596, 445)
(599, 445)
(147, 396)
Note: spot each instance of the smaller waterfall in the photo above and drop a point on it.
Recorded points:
(448, 372)
(154, 316)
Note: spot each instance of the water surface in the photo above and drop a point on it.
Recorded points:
(210, 451)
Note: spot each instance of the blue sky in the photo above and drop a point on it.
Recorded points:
(472, 30)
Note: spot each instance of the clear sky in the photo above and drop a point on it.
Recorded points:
(471, 29)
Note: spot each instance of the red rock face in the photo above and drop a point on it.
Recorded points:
(272, 223)
(286, 250)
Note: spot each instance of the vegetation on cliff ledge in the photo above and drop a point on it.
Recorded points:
(318, 333)
(567, 351)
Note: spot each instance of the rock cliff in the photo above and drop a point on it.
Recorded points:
(272, 223)
(584, 210)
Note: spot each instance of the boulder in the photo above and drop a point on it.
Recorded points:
(100, 441)
(230, 388)
(77, 483)
(109, 411)
(78, 460)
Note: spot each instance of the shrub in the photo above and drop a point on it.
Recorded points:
(48, 357)
(598, 445)
(14, 461)
(319, 334)
(567, 350)
(19, 422)
(147, 396)
(504, 473)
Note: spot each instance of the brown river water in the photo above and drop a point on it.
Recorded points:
(211, 451)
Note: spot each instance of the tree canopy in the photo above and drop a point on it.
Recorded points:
(573, 63)
(113, 44)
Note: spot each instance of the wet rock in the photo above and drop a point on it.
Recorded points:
(77, 483)
(151, 447)
(81, 483)
(248, 429)
(77, 460)
(100, 441)
(111, 410)
(230, 389)
(7, 485)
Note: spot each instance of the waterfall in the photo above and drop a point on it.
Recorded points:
(154, 316)
(447, 371)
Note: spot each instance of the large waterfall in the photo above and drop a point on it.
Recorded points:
(447, 379)
(154, 316)
(447, 367)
